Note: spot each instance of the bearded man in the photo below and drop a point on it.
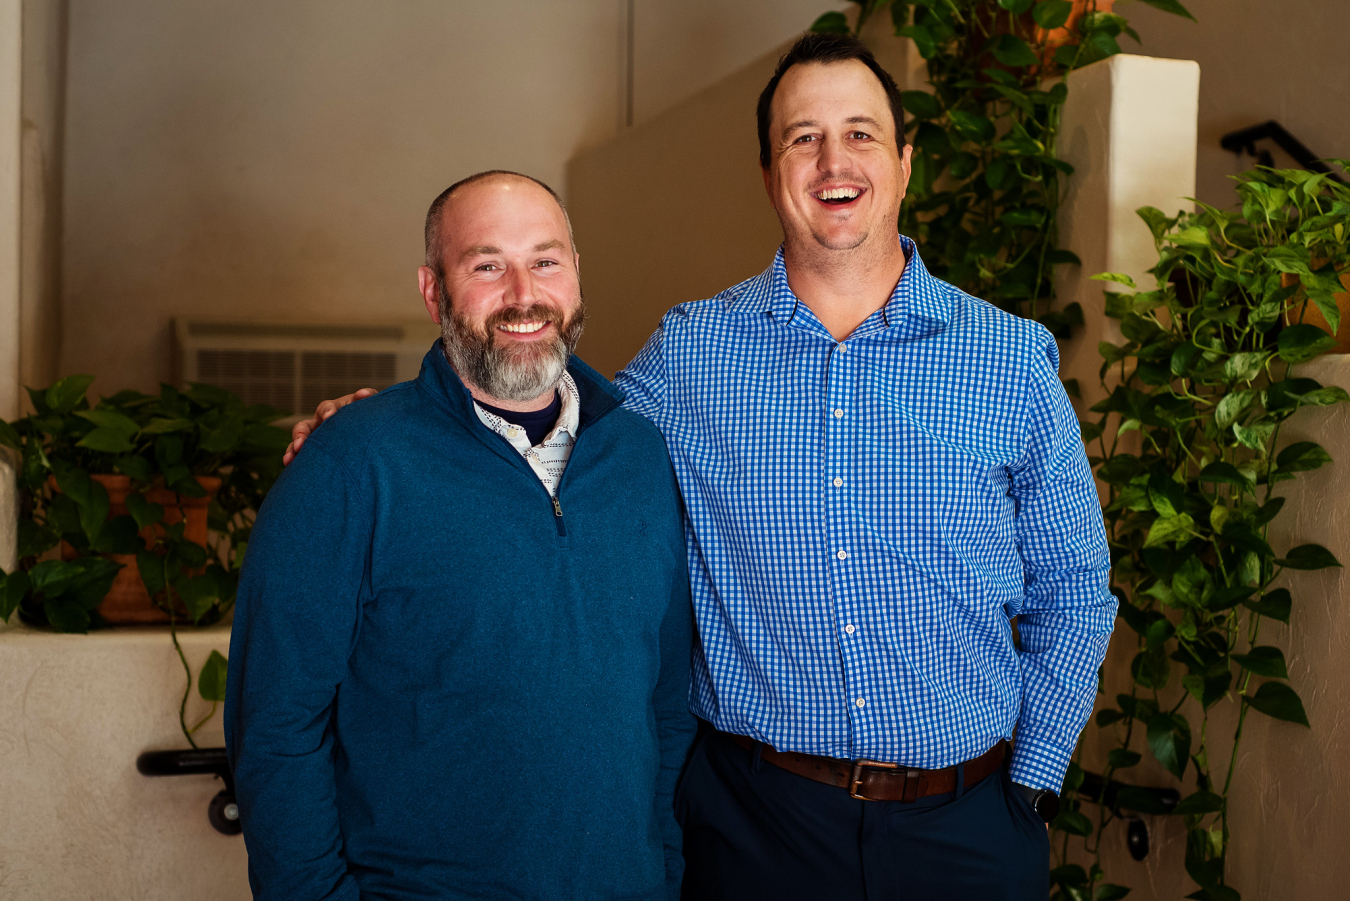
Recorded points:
(460, 660)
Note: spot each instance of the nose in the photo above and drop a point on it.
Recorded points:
(519, 287)
(833, 155)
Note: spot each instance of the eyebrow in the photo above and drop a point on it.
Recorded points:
(481, 250)
(851, 120)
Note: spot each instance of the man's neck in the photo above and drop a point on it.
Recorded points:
(843, 287)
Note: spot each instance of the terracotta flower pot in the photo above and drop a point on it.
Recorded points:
(1058, 37)
(1313, 316)
(127, 602)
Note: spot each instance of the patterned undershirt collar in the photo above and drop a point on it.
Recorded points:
(549, 457)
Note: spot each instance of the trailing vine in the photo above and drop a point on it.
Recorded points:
(1188, 442)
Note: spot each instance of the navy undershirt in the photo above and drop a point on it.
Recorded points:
(536, 424)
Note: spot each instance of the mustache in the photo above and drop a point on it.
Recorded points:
(536, 313)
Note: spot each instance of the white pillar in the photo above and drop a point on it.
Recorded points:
(1129, 130)
(11, 65)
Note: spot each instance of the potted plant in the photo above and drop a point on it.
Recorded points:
(136, 509)
(1188, 445)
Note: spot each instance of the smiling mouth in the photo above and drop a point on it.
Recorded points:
(838, 196)
(522, 328)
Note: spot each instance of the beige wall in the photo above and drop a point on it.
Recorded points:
(255, 159)
(44, 59)
(1262, 59)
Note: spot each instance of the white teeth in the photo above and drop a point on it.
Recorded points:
(838, 193)
(523, 328)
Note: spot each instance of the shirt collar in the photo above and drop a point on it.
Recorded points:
(918, 294)
(569, 415)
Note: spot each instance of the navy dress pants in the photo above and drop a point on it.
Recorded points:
(754, 831)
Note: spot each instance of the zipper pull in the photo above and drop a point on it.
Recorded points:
(557, 507)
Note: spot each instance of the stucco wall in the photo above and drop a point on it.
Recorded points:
(80, 823)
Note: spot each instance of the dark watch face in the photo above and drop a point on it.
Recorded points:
(1046, 804)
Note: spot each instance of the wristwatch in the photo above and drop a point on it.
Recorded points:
(1042, 800)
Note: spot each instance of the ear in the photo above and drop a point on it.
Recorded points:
(905, 153)
(768, 187)
(429, 285)
(576, 262)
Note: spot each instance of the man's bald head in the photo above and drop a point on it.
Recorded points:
(432, 230)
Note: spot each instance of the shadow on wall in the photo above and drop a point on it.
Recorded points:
(672, 210)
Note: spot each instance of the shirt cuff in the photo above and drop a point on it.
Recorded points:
(1039, 764)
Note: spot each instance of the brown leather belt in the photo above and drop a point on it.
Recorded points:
(872, 780)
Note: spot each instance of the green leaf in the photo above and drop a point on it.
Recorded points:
(831, 23)
(1202, 802)
(67, 393)
(144, 512)
(1277, 700)
(1299, 343)
(94, 513)
(1226, 473)
(211, 680)
(1302, 457)
(1169, 528)
(8, 436)
(225, 437)
(66, 616)
(1228, 597)
(1192, 236)
(199, 595)
(1169, 737)
(1232, 406)
(13, 589)
(1108, 717)
(1109, 892)
(151, 567)
(1254, 436)
(111, 420)
(1013, 51)
(1072, 822)
(107, 441)
(1243, 366)
(1122, 758)
(921, 36)
(1016, 7)
(972, 125)
(1264, 661)
(1309, 556)
(73, 482)
(118, 536)
(920, 104)
(1051, 14)
(1171, 6)
(1166, 496)
(136, 468)
(1276, 605)
(1118, 277)
(1141, 800)
(1151, 669)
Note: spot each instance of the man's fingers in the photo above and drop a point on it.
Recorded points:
(303, 429)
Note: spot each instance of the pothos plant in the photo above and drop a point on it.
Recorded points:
(1188, 444)
(986, 181)
(158, 441)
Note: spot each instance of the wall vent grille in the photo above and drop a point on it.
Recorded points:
(293, 366)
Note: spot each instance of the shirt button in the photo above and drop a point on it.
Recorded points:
(838, 414)
(849, 629)
(838, 482)
(861, 702)
(843, 348)
(842, 555)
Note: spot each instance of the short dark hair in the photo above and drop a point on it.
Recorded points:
(826, 48)
(431, 231)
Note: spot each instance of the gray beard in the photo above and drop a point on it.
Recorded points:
(502, 372)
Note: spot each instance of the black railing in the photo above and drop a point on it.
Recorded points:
(1244, 141)
(223, 811)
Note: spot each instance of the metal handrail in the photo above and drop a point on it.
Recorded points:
(1244, 140)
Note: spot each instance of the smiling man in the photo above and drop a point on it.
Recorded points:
(460, 660)
(879, 471)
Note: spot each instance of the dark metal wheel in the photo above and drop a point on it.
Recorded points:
(1136, 839)
(223, 813)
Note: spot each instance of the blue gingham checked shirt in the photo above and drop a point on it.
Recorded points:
(864, 516)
